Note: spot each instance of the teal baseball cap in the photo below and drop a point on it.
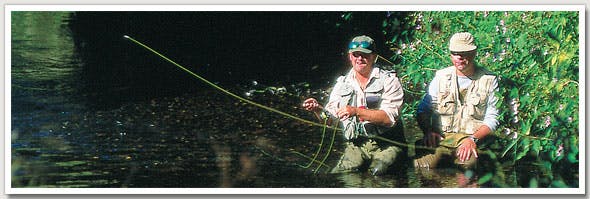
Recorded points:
(361, 43)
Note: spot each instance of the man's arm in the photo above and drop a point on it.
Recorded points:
(389, 110)
(491, 114)
(425, 112)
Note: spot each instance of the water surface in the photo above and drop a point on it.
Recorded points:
(82, 117)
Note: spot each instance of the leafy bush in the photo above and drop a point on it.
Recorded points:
(536, 55)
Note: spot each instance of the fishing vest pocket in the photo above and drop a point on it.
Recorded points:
(345, 92)
(446, 110)
(373, 94)
(447, 104)
(373, 101)
(477, 104)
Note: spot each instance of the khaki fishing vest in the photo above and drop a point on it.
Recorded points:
(462, 115)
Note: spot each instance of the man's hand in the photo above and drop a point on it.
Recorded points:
(466, 149)
(311, 104)
(432, 139)
(346, 112)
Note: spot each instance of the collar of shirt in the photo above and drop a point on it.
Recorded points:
(351, 75)
(360, 94)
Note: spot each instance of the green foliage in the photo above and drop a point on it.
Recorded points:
(536, 56)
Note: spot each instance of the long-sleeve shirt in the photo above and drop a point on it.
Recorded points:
(383, 92)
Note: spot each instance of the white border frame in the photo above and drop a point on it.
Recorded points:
(246, 7)
(7, 114)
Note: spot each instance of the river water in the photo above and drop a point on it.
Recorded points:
(76, 123)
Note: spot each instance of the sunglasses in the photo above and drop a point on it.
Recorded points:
(361, 54)
(463, 54)
(362, 44)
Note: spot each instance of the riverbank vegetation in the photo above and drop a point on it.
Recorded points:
(536, 56)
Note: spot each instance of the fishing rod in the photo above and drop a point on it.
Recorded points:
(222, 89)
(257, 104)
(383, 58)
(312, 160)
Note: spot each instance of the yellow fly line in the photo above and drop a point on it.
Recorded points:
(223, 90)
(257, 104)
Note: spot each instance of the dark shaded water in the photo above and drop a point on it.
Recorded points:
(90, 109)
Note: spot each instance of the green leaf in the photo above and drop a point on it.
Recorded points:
(524, 148)
(487, 177)
(559, 184)
(572, 158)
(573, 143)
(533, 183)
(512, 144)
(347, 16)
(514, 93)
(536, 147)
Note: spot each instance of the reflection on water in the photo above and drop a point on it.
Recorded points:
(43, 53)
(44, 67)
(443, 178)
(201, 139)
(366, 180)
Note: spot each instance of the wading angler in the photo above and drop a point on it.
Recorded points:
(367, 101)
(459, 108)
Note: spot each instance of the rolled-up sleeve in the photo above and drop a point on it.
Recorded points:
(392, 98)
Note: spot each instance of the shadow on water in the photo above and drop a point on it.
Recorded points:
(63, 136)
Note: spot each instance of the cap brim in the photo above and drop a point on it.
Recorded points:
(462, 48)
(363, 50)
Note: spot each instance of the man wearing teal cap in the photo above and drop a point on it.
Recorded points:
(367, 101)
(459, 107)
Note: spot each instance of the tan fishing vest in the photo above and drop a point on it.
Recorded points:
(462, 115)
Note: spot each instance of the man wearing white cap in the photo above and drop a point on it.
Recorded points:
(459, 108)
(367, 101)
